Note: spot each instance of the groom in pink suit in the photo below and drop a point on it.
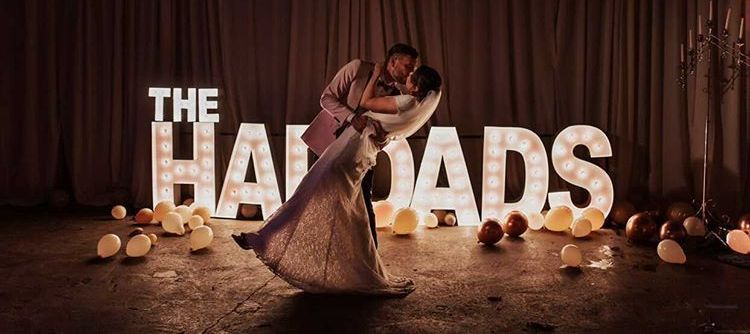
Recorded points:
(340, 103)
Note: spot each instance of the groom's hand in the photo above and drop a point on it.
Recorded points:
(380, 137)
(359, 122)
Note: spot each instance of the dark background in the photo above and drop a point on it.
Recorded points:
(75, 112)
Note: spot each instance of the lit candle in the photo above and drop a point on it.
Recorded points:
(726, 21)
(690, 39)
(741, 33)
(700, 25)
(682, 53)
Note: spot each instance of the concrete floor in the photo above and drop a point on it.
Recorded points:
(52, 282)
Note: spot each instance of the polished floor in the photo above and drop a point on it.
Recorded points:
(52, 282)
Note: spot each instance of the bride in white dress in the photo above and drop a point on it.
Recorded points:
(319, 240)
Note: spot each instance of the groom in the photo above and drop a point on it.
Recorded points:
(340, 103)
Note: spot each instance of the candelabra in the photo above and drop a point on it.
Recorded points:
(709, 45)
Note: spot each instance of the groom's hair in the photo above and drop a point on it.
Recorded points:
(401, 49)
(426, 79)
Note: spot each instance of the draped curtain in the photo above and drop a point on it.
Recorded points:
(75, 112)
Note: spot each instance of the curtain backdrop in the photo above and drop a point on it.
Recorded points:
(75, 112)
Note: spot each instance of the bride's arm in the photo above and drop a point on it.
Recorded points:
(382, 105)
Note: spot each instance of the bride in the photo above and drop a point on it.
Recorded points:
(319, 239)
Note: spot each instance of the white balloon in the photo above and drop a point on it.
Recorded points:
(108, 245)
(595, 216)
(450, 219)
(581, 227)
(694, 226)
(138, 246)
(383, 213)
(119, 212)
(184, 212)
(671, 252)
(195, 221)
(172, 223)
(161, 209)
(430, 220)
(738, 241)
(405, 221)
(571, 255)
(558, 219)
(201, 237)
(536, 221)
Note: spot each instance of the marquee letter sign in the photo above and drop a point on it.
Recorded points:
(497, 142)
(443, 146)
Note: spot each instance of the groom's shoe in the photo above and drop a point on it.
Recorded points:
(242, 240)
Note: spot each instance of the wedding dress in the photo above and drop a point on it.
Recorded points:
(319, 240)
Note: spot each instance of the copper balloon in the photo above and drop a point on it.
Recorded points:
(640, 227)
(744, 223)
(515, 223)
(490, 232)
(673, 230)
(678, 211)
(440, 214)
(248, 211)
(621, 212)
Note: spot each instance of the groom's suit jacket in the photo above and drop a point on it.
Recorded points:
(340, 102)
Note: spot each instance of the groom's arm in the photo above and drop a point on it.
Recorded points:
(335, 94)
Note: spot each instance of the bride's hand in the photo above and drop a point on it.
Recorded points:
(378, 70)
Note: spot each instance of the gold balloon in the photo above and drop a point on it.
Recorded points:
(581, 227)
(405, 221)
(738, 241)
(138, 246)
(204, 212)
(595, 216)
(108, 245)
(571, 255)
(694, 227)
(201, 237)
(144, 216)
(383, 213)
(162, 208)
(119, 212)
(195, 221)
(558, 219)
(154, 239)
(671, 252)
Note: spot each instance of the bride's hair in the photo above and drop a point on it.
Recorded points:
(426, 79)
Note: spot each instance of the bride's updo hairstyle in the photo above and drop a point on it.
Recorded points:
(426, 79)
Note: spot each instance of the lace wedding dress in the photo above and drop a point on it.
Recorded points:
(319, 239)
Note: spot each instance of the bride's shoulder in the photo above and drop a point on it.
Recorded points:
(405, 102)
